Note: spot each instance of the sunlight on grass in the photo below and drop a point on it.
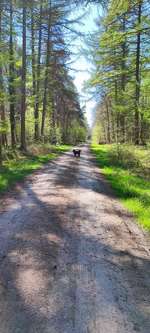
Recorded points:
(132, 189)
(14, 170)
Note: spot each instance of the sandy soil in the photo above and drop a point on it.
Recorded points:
(71, 258)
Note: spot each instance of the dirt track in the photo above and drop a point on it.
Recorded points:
(71, 259)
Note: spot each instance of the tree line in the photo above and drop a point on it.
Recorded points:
(38, 99)
(120, 79)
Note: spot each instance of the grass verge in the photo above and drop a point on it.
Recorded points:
(17, 165)
(132, 188)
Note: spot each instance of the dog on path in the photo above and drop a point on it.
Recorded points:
(76, 152)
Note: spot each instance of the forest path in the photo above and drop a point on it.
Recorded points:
(71, 259)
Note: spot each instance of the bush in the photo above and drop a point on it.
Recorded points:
(125, 156)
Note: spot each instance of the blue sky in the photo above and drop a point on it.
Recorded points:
(81, 64)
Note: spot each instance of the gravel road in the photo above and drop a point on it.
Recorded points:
(71, 258)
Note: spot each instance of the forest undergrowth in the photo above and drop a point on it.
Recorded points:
(127, 168)
(17, 165)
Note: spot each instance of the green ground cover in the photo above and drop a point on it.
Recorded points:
(16, 165)
(128, 171)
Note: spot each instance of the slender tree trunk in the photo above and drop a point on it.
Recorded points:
(23, 101)
(3, 136)
(1, 106)
(123, 79)
(36, 113)
(11, 79)
(112, 120)
(53, 123)
(108, 121)
(142, 129)
(137, 73)
(46, 72)
(117, 115)
(36, 134)
(0, 87)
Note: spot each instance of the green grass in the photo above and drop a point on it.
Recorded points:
(129, 183)
(18, 167)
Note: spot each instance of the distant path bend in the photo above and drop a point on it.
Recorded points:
(71, 259)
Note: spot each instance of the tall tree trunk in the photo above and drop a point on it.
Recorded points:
(53, 123)
(11, 79)
(137, 74)
(112, 117)
(142, 130)
(23, 99)
(1, 86)
(108, 121)
(3, 137)
(123, 79)
(118, 114)
(46, 72)
(36, 135)
(36, 113)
